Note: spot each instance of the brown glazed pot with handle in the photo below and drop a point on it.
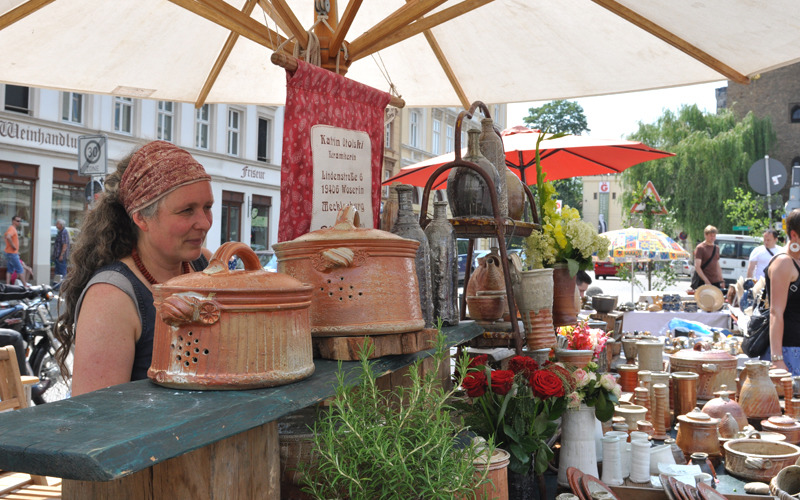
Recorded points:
(363, 280)
(223, 329)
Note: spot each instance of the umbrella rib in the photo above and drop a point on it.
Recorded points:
(344, 26)
(21, 11)
(270, 11)
(403, 16)
(670, 38)
(223, 57)
(419, 26)
(448, 70)
(295, 28)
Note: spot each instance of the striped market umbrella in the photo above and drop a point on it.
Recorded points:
(635, 243)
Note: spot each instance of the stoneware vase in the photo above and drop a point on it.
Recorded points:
(497, 472)
(564, 310)
(467, 191)
(624, 452)
(612, 461)
(640, 461)
(651, 354)
(534, 297)
(407, 226)
(578, 358)
(758, 397)
(577, 445)
(492, 148)
(444, 265)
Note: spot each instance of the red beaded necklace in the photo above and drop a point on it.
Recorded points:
(146, 273)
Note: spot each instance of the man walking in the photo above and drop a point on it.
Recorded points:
(61, 248)
(706, 260)
(13, 265)
(762, 254)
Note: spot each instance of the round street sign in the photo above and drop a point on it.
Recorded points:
(757, 176)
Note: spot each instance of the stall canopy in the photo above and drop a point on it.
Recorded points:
(435, 52)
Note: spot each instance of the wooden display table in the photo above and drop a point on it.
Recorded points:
(142, 441)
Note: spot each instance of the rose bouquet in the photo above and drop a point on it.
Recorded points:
(517, 407)
(581, 337)
(600, 391)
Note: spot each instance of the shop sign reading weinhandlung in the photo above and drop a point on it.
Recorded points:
(25, 134)
(342, 174)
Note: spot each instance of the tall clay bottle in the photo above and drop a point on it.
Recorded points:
(492, 148)
(389, 212)
(408, 226)
(467, 191)
(444, 265)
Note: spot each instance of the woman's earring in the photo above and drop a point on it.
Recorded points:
(794, 247)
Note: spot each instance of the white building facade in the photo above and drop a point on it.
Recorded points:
(239, 146)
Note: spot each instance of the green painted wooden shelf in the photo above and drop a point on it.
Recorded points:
(123, 429)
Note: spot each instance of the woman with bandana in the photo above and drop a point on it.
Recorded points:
(147, 227)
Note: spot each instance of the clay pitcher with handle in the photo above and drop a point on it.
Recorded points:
(758, 397)
(488, 276)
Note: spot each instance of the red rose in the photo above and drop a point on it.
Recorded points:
(479, 360)
(546, 384)
(561, 372)
(523, 364)
(502, 380)
(475, 384)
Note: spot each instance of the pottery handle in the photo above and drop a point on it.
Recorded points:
(188, 307)
(347, 218)
(710, 367)
(338, 257)
(219, 261)
(758, 463)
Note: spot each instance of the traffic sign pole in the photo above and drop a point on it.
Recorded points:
(769, 191)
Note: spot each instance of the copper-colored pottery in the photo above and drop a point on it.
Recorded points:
(565, 311)
(785, 425)
(758, 397)
(576, 357)
(486, 307)
(698, 432)
(222, 329)
(715, 368)
(758, 460)
(723, 404)
(363, 280)
(684, 389)
(628, 377)
(776, 374)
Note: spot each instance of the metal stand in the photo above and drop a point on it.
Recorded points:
(483, 227)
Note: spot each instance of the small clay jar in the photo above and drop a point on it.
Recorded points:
(723, 404)
(684, 389)
(785, 425)
(628, 377)
(698, 433)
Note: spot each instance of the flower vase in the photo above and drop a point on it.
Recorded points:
(577, 445)
(564, 310)
(578, 358)
(534, 296)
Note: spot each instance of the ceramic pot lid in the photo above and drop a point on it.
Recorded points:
(347, 227)
(783, 422)
(712, 355)
(697, 417)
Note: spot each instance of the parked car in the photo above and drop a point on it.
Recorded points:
(462, 268)
(734, 255)
(682, 267)
(605, 269)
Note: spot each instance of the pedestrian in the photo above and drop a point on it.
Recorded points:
(148, 226)
(706, 260)
(762, 254)
(14, 268)
(582, 282)
(61, 248)
(782, 278)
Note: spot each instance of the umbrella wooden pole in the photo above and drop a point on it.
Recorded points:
(289, 63)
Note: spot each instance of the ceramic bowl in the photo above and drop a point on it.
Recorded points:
(486, 307)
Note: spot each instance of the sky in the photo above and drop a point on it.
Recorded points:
(616, 116)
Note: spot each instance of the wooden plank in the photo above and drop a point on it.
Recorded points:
(86, 438)
(348, 348)
(21, 11)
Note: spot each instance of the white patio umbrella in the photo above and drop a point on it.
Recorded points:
(435, 52)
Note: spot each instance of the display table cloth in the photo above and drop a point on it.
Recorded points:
(657, 322)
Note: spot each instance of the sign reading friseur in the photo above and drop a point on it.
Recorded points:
(342, 174)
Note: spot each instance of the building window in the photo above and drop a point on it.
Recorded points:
(231, 216)
(264, 130)
(17, 99)
(201, 126)
(17, 188)
(233, 131)
(449, 139)
(72, 107)
(387, 139)
(795, 117)
(413, 130)
(259, 222)
(436, 136)
(123, 114)
(166, 120)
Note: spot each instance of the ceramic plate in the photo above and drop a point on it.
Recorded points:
(666, 486)
(677, 489)
(591, 485)
(574, 479)
(709, 493)
(690, 492)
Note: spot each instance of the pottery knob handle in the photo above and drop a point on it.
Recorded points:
(710, 367)
(185, 308)
(757, 463)
(338, 257)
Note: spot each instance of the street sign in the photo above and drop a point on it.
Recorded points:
(605, 187)
(757, 176)
(741, 228)
(92, 155)
(650, 191)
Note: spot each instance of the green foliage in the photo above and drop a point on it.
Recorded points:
(713, 153)
(558, 116)
(660, 276)
(369, 447)
(570, 192)
(747, 209)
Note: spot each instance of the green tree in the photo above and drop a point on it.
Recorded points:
(713, 153)
(747, 209)
(562, 117)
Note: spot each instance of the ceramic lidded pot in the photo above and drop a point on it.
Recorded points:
(783, 424)
(715, 368)
(223, 329)
(723, 404)
(758, 397)
(352, 271)
(698, 433)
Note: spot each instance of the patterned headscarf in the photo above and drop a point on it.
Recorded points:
(154, 171)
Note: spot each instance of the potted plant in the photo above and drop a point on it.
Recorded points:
(579, 344)
(368, 446)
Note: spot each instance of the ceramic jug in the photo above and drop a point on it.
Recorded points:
(492, 148)
(758, 397)
(444, 265)
(467, 191)
(488, 276)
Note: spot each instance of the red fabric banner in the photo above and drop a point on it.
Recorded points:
(316, 96)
